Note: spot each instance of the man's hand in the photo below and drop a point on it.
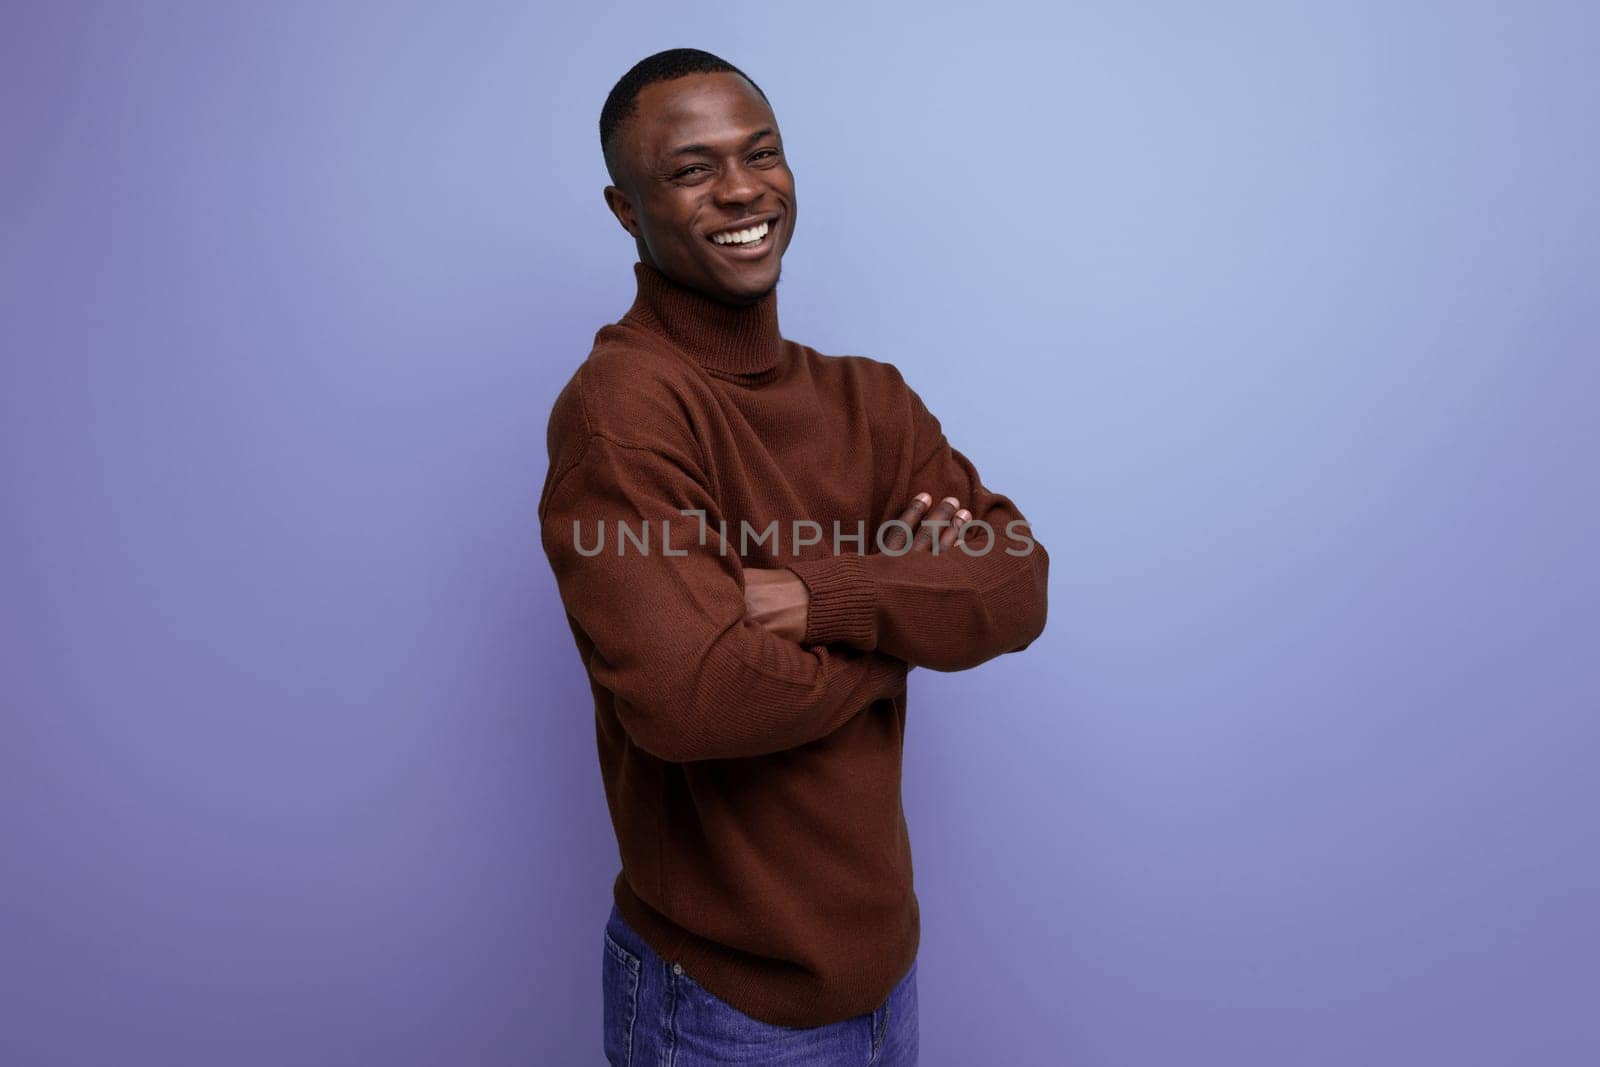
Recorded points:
(941, 524)
(777, 599)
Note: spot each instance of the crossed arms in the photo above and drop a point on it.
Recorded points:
(709, 659)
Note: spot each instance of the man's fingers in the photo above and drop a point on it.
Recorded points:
(896, 537)
(935, 523)
(931, 522)
(949, 536)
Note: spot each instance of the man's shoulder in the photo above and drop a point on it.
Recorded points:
(629, 390)
(863, 371)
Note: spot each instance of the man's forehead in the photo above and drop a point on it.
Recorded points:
(718, 111)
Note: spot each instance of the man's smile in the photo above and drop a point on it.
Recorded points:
(746, 240)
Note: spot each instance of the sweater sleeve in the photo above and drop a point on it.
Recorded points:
(693, 677)
(948, 611)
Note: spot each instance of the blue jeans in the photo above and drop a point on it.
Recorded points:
(656, 1015)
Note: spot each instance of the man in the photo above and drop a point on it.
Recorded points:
(717, 513)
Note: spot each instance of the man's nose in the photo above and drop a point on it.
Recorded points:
(738, 184)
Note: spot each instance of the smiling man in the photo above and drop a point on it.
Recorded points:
(782, 536)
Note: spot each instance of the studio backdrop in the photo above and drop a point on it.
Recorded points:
(1277, 320)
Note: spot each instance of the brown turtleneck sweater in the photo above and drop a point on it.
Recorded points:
(754, 782)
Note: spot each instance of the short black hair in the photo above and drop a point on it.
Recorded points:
(622, 102)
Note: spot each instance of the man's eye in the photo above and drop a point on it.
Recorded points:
(766, 152)
(688, 170)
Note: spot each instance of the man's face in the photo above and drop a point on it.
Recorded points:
(703, 156)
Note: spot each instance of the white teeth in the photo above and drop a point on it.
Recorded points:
(741, 237)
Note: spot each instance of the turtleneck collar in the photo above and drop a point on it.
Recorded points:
(739, 342)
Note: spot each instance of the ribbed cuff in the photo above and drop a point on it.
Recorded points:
(843, 604)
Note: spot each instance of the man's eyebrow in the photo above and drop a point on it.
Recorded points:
(705, 149)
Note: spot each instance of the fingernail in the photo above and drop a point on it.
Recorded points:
(952, 501)
(926, 498)
(963, 515)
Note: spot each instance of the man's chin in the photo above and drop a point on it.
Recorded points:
(749, 287)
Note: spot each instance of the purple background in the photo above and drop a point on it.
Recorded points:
(1278, 320)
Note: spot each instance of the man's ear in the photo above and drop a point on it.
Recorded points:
(622, 208)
